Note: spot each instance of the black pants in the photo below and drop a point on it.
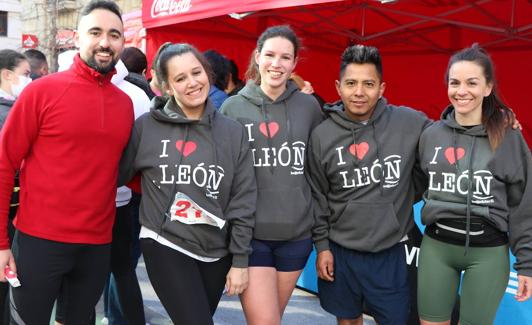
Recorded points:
(189, 290)
(122, 266)
(44, 265)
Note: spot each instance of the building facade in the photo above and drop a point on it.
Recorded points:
(54, 22)
(10, 24)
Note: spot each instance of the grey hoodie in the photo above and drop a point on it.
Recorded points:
(500, 190)
(278, 132)
(5, 107)
(208, 161)
(361, 176)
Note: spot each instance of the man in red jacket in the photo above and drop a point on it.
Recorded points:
(66, 134)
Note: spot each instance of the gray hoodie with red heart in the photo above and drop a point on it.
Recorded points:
(278, 132)
(499, 192)
(361, 177)
(194, 172)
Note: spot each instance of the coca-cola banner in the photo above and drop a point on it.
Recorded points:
(157, 13)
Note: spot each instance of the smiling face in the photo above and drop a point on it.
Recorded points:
(276, 61)
(466, 88)
(188, 83)
(360, 88)
(100, 39)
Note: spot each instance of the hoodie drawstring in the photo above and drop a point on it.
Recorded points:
(288, 128)
(166, 212)
(469, 194)
(381, 161)
(267, 122)
(454, 151)
(355, 157)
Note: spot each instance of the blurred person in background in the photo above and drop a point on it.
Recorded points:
(136, 63)
(234, 83)
(220, 68)
(14, 77)
(38, 63)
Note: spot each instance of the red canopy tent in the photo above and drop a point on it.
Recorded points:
(415, 37)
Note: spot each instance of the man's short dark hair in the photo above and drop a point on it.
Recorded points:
(360, 54)
(220, 67)
(37, 59)
(134, 60)
(233, 68)
(101, 4)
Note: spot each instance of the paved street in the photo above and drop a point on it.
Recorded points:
(303, 308)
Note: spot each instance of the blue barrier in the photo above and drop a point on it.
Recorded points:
(511, 312)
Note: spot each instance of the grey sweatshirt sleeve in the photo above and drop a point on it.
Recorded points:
(419, 176)
(320, 187)
(240, 211)
(127, 170)
(519, 194)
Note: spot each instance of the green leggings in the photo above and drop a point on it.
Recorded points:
(486, 271)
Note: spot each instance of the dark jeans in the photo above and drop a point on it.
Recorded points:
(112, 298)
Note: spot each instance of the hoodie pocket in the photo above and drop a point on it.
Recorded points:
(201, 239)
(366, 226)
(282, 214)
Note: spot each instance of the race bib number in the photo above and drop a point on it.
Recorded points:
(185, 210)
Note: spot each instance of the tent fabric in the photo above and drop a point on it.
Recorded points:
(415, 38)
(167, 12)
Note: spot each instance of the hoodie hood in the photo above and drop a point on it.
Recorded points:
(121, 72)
(5, 107)
(6, 102)
(336, 112)
(165, 109)
(447, 117)
(254, 94)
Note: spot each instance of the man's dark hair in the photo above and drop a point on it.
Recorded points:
(134, 60)
(360, 54)
(220, 68)
(101, 4)
(37, 59)
(233, 69)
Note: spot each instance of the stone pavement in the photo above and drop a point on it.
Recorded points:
(303, 308)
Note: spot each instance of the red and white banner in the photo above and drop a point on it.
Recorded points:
(65, 39)
(29, 41)
(134, 32)
(156, 13)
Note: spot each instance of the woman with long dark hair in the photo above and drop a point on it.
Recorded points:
(198, 191)
(478, 199)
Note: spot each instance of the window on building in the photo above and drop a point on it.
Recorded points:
(3, 23)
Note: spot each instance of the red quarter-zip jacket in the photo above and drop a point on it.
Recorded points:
(66, 133)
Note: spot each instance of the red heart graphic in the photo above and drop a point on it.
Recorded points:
(190, 147)
(449, 154)
(360, 149)
(273, 126)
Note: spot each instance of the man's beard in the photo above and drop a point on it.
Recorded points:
(103, 69)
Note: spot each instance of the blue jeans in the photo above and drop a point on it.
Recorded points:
(112, 307)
